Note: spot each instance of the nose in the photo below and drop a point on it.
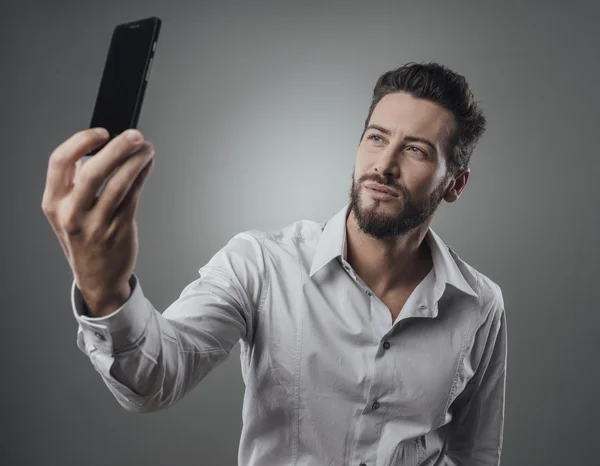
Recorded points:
(387, 164)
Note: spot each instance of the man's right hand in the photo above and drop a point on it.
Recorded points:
(98, 234)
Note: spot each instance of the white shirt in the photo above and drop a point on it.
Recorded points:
(329, 379)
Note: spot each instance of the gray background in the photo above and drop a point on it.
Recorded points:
(255, 113)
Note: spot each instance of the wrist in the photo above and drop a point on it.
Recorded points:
(108, 304)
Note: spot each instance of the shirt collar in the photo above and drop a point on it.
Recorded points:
(332, 245)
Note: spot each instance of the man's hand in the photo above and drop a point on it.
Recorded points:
(98, 234)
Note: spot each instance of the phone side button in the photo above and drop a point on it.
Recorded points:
(149, 68)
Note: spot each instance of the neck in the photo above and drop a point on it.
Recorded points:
(390, 264)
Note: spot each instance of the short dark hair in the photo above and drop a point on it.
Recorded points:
(439, 84)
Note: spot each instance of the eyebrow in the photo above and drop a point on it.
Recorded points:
(408, 138)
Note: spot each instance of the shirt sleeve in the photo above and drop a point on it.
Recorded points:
(149, 360)
(476, 430)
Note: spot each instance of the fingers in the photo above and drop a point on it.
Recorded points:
(126, 211)
(70, 193)
(62, 162)
(118, 189)
(94, 173)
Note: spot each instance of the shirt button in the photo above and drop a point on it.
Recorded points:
(99, 336)
(375, 405)
(369, 293)
(386, 345)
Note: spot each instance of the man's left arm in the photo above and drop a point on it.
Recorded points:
(476, 430)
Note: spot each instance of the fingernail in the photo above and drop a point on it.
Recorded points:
(133, 135)
(101, 131)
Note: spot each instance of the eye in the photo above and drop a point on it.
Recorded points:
(372, 136)
(418, 150)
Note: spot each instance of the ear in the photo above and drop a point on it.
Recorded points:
(457, 185)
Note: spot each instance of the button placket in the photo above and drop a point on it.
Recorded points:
(348, 269)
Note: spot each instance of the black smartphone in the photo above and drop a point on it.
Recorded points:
(125, 77)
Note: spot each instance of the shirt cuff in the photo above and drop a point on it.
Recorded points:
(121, 329)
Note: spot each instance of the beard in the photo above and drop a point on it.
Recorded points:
(381, 225)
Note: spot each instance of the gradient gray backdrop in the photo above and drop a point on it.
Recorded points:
(255, 113)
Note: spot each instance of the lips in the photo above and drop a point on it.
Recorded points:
(381, 188)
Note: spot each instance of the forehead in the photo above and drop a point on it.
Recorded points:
(404, 114)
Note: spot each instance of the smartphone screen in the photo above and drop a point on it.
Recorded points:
(126, 72)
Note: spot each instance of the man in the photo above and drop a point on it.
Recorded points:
(364, 340)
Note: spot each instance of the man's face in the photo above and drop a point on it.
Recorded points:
(389, 155)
